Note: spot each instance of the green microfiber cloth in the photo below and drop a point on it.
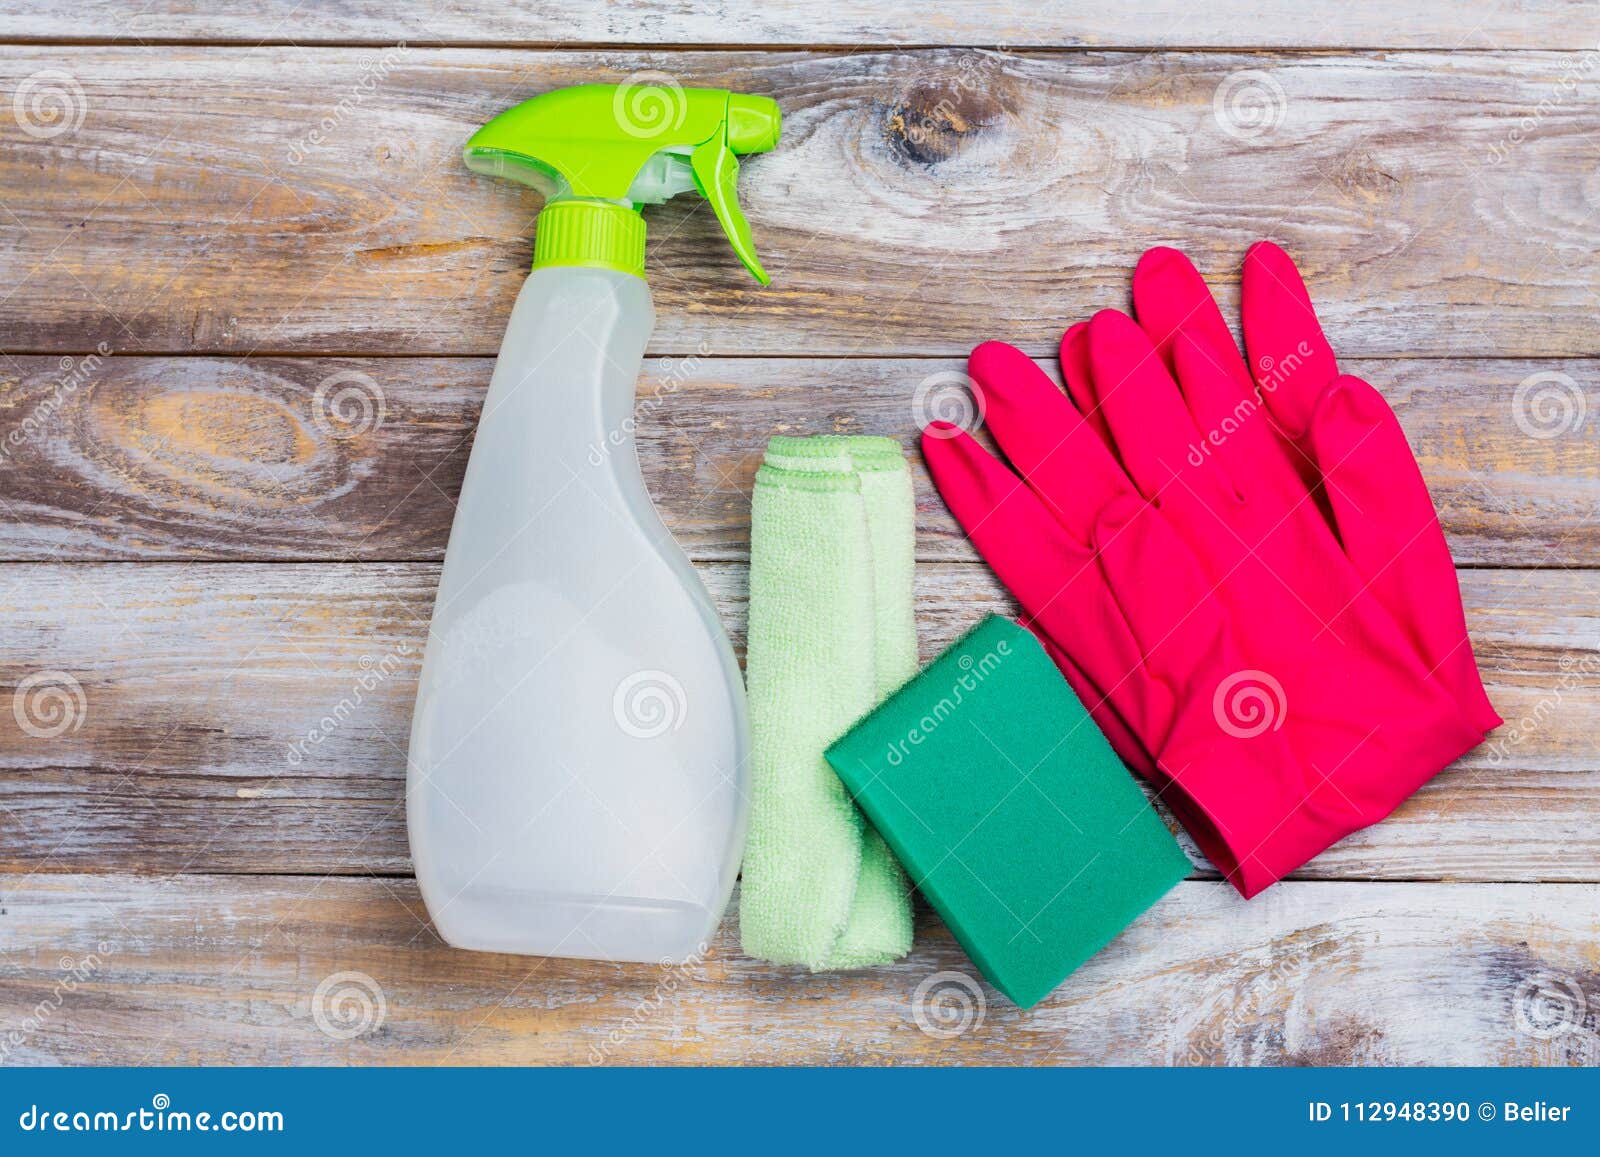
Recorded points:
(1009, 810)
(831, 631)
(891, 525)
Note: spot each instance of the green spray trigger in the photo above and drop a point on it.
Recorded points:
(613, 148)
(716, 174)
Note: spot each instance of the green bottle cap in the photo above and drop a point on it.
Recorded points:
(599, 152)
(593, 233)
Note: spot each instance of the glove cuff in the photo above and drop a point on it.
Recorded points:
(1258, 812)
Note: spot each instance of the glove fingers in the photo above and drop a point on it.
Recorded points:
(1155, 436)
(1236, 431)
(1051, 573)
(1391, 534)
(1176, 309)
(1031, 552)
(1045, 438)
(1171, 298)
(1076, 372)
(1289, 355)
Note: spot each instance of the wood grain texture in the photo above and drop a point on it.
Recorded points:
(254, 718)
(361, 459)
(313, 200)
(202, 844)
(235, 970)
(1231, 23)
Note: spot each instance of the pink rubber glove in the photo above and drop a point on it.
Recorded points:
(1334, 428)
(1207, 613)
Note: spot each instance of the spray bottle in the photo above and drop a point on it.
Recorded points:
(576, 783)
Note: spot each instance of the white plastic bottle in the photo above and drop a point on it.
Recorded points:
(576, 781)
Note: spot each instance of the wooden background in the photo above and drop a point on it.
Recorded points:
(242, 211)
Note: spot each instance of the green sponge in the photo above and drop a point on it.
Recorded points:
(1009, 810)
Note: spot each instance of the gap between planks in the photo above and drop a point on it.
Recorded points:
(829, 48)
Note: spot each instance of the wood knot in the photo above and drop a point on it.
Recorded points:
(930, 123)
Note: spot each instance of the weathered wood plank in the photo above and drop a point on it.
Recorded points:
(161, 457)
(361, 459)
(508, 23)
(254, 718)
(235, 970)
(313, 200)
